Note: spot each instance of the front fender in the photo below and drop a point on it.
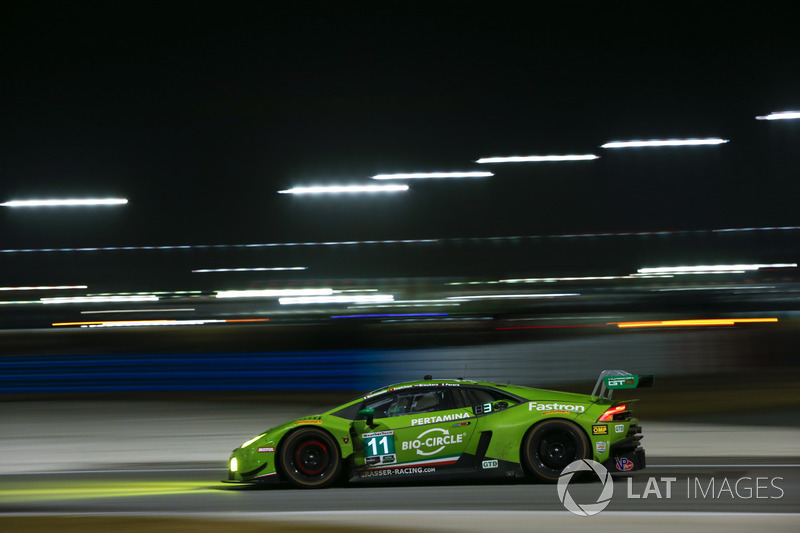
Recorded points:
(257, 461)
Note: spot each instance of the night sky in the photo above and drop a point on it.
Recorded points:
(199, 112)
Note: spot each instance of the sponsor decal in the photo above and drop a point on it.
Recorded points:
(437, 419)
(392, 471)
(432, 441)
(555, 407)
(461, 424)
(482, 409)
(619, 428)
(600, 430)
(624, 464)
(380, 460)
(379, 443)
(376, 434)
(266, 449)
(299, 422)
(621, 381)
(403, 387)
(601, 447)
(491, 463)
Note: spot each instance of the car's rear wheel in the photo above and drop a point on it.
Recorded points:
(551, 445)
(310, 458)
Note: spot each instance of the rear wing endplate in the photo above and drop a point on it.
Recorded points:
(611, 380)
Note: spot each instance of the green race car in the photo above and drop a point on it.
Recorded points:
(454, 428)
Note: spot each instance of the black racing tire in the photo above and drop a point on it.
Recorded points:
(310, 458)
(550, 446)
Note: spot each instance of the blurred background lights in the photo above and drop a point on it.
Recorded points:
(273, 293)
(713, 268)
(537, 158)
(337, 299)
(432, 175)
(664, 142)
(348, 189)
(66, 202)
(43, 288)
(780, 115)
(100, 299)
(255, 269)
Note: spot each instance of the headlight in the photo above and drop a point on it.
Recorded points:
(234, 464)
(251, 441)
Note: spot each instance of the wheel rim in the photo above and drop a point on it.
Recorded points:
(311, 458)
(556, 450)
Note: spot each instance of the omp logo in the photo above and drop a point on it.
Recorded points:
(536, 406)
(432, 441)
(586, 509)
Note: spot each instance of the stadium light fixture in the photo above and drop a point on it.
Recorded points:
(665, 142)
(65, 202)
(347, 189)
(537, 158)
(780, 115)
(432, 175)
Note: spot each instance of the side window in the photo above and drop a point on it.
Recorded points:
(412, 401)
(484, 401)
(431, 400)
(382, 405)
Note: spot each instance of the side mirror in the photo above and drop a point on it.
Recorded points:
(369, 415)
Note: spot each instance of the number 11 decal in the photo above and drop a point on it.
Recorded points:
(380, 443)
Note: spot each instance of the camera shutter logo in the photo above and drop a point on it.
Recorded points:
(587, 509)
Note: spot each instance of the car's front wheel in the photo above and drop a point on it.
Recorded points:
(310, 458)
(552, 445)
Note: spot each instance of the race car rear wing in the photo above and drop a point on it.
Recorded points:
(611, 380)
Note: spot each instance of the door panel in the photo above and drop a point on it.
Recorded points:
(413, 429)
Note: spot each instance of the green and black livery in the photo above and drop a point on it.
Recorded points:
(451, 429)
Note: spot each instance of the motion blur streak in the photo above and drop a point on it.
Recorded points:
(44, 288)
(391, 315)
(254, 269)
(432, 175)
(274, 293)
(554, 327)
(164, 310)
(664, 142)
(402, 241)
(780, 115)
(335, 189)
(703, 269)
(511, 296)
(537, 158)
(100, 299)
(168, 322)
(697, 322)
(369, 298)
(65, 203)
(101, 489)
